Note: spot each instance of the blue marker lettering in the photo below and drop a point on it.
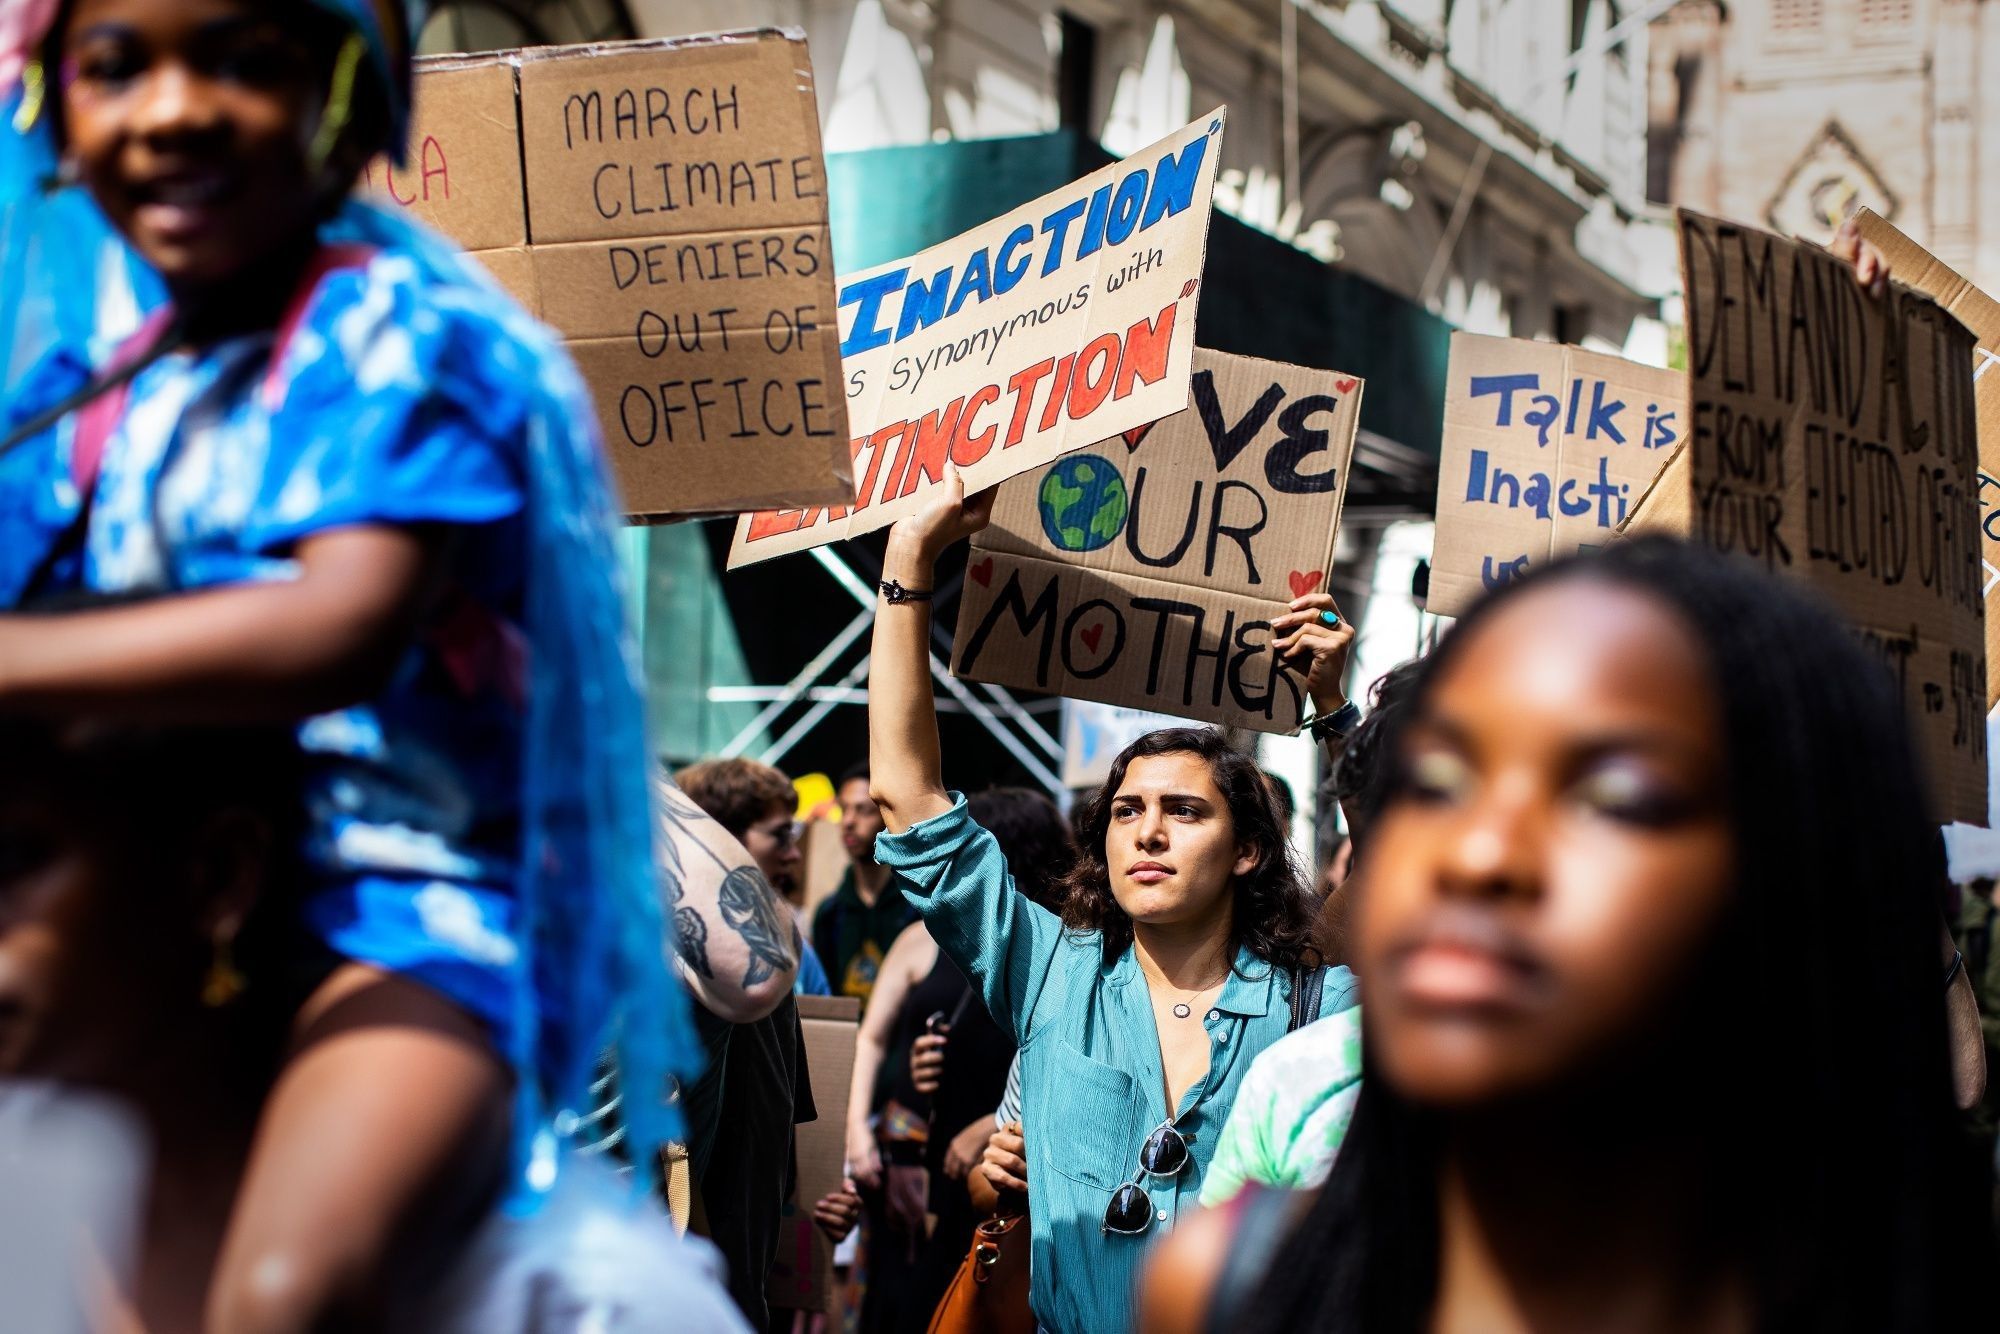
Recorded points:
(1174, 181)
(1006, 273)
(1504, 385)
(867, 295)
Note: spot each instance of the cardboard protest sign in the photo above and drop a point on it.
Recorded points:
(1145, 572)
(662, 205)
(1093, 734)
(1060, 323)
(1912, 264)
(1832, 437)
(1546, 448)
(801, 1276)
(462, 172)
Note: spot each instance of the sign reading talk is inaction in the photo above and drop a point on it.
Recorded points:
(1060, 323)
(1546, 450)
(1831, 438)
(662, 205)
(1145, 571)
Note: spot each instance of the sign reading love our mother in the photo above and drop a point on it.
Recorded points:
(1145, 571)
(1061, 322)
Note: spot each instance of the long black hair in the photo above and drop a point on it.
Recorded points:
(1273, 910)
(1827, 1089)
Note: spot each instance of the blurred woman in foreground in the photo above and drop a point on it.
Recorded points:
(1652, 1041)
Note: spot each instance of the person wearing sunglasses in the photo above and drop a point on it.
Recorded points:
(1183, 946)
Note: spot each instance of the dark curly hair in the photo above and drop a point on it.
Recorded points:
(1032, 835)
(1274, 912)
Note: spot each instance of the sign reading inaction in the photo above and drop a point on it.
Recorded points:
(1145, 572)
(663, 206)
(1912, 264)
(1546, 450)
(1832, 437)
(1063, 322)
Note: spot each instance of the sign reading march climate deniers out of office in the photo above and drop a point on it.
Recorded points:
(1832, 438)
(663, 206)
(1055, 325)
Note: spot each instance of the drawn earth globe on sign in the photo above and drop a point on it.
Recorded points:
(1083, 502)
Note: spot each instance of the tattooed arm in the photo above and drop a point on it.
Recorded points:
(737, 948)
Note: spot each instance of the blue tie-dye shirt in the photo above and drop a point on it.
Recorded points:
(386, 404)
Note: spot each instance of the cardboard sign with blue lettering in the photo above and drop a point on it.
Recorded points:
(1060, 323)
(1833, 437)
(1546, 450)
(1145, 571)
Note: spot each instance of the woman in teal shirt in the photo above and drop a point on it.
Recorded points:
(1185, 928)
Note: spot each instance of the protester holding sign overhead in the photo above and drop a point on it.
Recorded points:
(371, 487)
(1183, 948)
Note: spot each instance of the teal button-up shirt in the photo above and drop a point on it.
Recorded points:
(1091, 1076)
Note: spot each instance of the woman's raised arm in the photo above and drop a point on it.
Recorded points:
(906, 777)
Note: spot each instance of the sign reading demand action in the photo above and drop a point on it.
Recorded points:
(1063, 322)
(1832, 438)
(1146, 571)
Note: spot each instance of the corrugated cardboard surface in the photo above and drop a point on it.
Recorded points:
(668, 138)
(1833, 438)
(1912, 264)
(661, 204)
(1034, 346)
(463, 170)
(1226, 511)
(514, 269)
(1546, 448)
(801, 1278)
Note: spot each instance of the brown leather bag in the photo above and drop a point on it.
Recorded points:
(989, 1293)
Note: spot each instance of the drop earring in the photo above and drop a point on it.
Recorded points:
(223, 983)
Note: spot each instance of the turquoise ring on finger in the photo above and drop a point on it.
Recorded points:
(1331, 618)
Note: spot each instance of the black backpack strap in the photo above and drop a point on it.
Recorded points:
(1308, 986)
(1262, 1217)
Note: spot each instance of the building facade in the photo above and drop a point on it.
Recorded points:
(1790, 114)
(1355, 129)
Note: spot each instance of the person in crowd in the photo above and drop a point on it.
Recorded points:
(1610, 799)
(149, 953)
(743, 797)
(854, 928)
(928, 1068)
(742, 1109)
(1356, 781)
(1338, 865)
(1281, 798)
(372, 485)
(1183, 943)
(135, 860)
(1298, 1097)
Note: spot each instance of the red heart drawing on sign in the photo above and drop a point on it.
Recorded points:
(1304, 583)
(982, 572)
(1135, 435)
(1345, 386)
(1092, 636)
